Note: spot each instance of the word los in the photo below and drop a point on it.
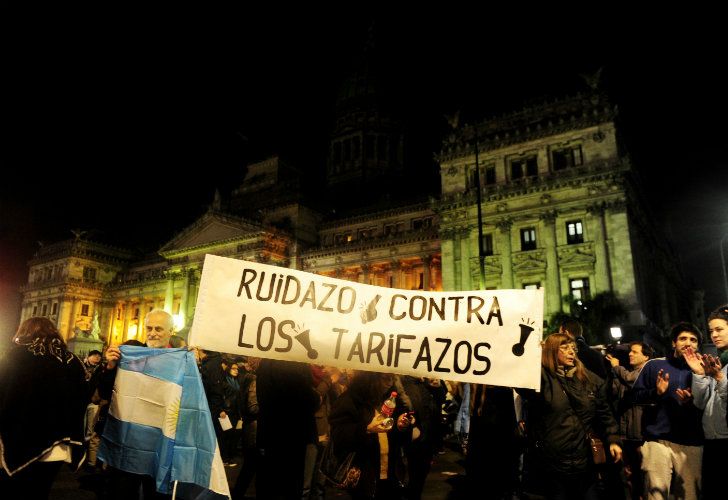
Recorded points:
(327, 297)
(372, 348)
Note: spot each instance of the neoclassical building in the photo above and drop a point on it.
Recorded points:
(561, 209)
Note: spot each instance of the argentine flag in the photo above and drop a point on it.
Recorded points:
(159, 424)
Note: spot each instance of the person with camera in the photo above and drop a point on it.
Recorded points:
(629, 414)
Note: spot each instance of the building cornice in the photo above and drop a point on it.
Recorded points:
(573, 177)
(81, 249)
(530, 123)
(375, 215)
(358, 246)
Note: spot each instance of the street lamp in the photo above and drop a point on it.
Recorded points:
(616, 333)
(481, 250)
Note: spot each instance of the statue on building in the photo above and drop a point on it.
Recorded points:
(95, 328)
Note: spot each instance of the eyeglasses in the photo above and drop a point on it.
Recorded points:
(567, 348)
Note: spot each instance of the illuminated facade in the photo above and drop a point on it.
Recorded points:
(561, 211)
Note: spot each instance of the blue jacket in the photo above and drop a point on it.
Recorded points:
(667, 418)
(711, 396)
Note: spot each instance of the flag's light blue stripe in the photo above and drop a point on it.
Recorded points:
(195, 440)
(144, 449)
(166, 364)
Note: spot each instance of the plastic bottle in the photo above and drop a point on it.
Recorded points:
(388, 409)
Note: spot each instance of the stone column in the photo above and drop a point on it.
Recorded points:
(107, 327)
(597, 227)
(465, 276)
(127, 321)
(194, 290)
(364, 274)
(553, 281)
(395, 267)
(62, 308)
(71, 318)
(506, 255)
(447, 246)
(185, 295)
(426, 272)
(169, 294)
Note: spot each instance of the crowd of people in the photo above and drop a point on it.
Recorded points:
(599, 427)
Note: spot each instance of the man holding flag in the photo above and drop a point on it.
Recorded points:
(159, 436)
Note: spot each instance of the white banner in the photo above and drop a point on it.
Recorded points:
(488, 337)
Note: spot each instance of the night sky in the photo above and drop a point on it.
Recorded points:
(100, 120)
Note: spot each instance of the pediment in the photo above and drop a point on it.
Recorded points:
(208, 230)
(576, 255)
(531, 261)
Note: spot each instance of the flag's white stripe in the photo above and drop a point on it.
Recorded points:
(145, 400)
(218, 478)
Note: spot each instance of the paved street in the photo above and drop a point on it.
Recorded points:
(441, 483)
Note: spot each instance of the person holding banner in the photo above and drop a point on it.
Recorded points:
(356, 426)
(287, 402)
(571, 404)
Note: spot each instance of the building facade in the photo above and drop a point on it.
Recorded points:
(561, 209)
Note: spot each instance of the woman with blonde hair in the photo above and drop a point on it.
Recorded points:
(571, 405)
(43, 397)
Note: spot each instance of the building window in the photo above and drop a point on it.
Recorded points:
(528, 239)
(347, 150)
(44, 310)
(531, 286)
(54, 308)
(342, 238)
(490, 175)
(84, 309)
(118, 313)
(423, 223)
(487, 176)
(366, 234)
(579, 289)
(369, 147)
(337, 153)
(48, 273)
(136, 313)
(394, 228)
(382, 148)
(35, 310)
(566, 157)
(574, 232)
(524, 167)
(89, 273)
(356, 147)
(488, 244)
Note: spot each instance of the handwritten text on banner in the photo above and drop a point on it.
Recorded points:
(491, 337)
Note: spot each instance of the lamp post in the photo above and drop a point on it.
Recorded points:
(481, 251)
